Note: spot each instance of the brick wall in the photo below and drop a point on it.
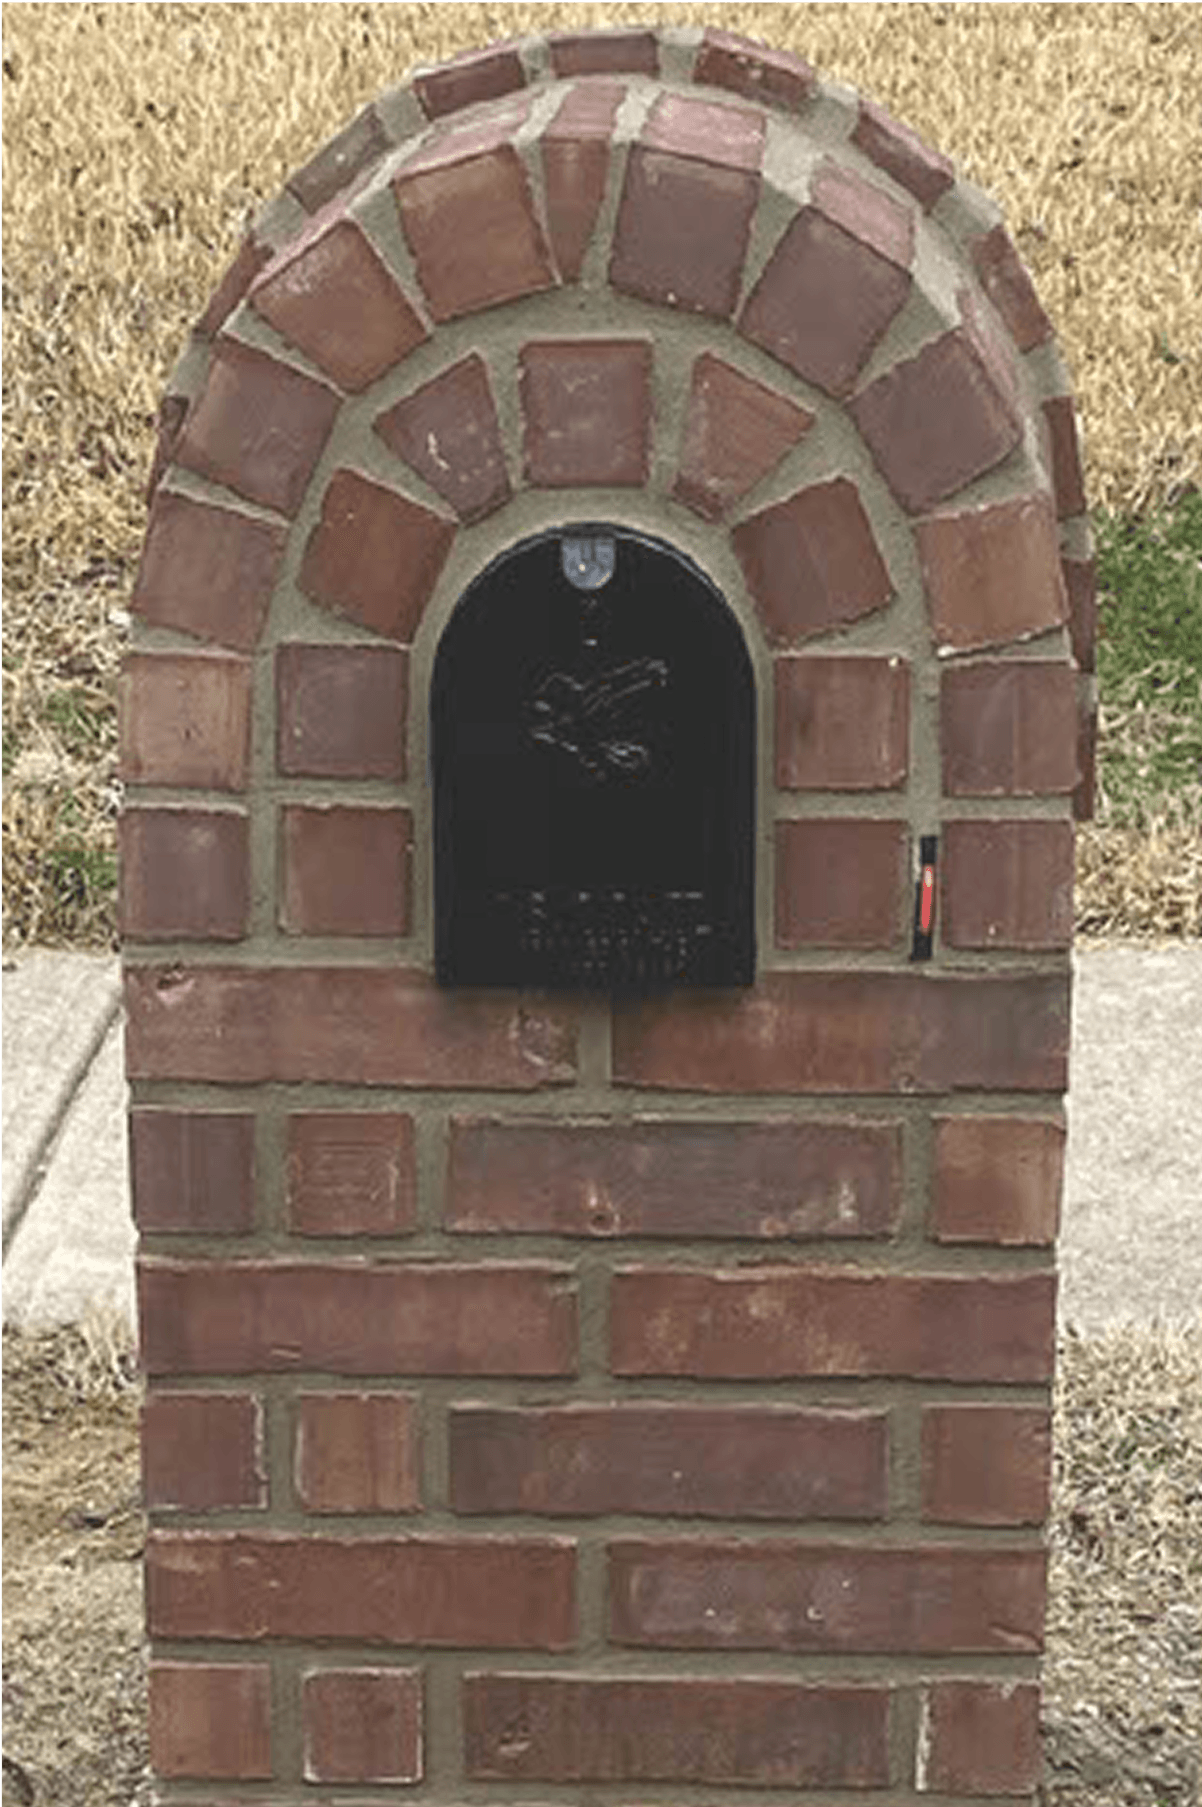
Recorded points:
(545, 1395)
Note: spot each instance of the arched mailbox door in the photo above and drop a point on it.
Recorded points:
(594, 772)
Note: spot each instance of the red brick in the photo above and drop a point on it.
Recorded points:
(345, 870)
(343, 1025)
(350, 1173)
(192, 1171)
(756, 71)
(358, 1452)
(779, 1323)
(577, 1728)
(897, 150)
(678, 1179)
(494, 1593)
(737, 430)
(1007, 284)
(986, 1464)
(185, 875)
(330, 294)
(605, 53)
(374, 555)
(587, 410)
(258, 427)
(992, 575)
(202, 1452)
(185, 720)
(688, 1461)
(842, 723)
(210, 1721)
(1007, 884)
(997, 1179)
(840, 1598)
(362, 1725)
(1085, 795)
(575, 155)
(1008, 728)
(1081, 586)
(841, 883)
(447, 431)
(207, 571)
(341, 711)
(1068, 479)
(936, 421)
(215, 1317)
(468, 79)
(471, 226)
(812, 563)
(981, 1738)
(249, 259)
(169, 424)
(336, 165)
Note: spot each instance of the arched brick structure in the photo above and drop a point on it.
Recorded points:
(674, 282)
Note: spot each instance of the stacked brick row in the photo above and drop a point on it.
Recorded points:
(545, 1392)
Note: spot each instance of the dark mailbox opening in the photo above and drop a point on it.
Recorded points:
(593, 721)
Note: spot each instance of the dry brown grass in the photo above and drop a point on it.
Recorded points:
(139, 139)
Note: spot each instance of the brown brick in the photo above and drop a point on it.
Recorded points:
(936, 421)
(1008, 728)
(185, 720)
(362, 1725)
(754, 70)
(250, 258)
(577, 1728)
(981, 1738)
(687, 1461)
(1007, 284)
(345, 1318)
(357, 1452)
(986, 1464)
(736, 431)
(336, 165)
(842, 1598)
(575, 154)
(258, 427)
(778, 1323)
(587, 410)
(350, 1173)
(341, 711)
(992, 575)
(605, 53)
(1008, 884)
(210, 1721)
(470, 223)
(345, 870)
(374, 555)
(329, 293)
(447, 431)
(841, 883)
(897, 150)
(185, 875)
(192, 1171)
(812, 563)
(997, 1179)
(202, 1452)
(842, 723)
(207, 571)
(1081, 586)
(1085, 795)
(1068, 479)
(494, 1593)
(677, 1179)
(468, 79)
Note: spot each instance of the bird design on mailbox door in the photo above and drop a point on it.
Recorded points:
(597, 721)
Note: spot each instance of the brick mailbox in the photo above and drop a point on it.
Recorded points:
(610, 691)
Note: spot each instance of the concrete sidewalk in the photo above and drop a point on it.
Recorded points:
(1131, 1245)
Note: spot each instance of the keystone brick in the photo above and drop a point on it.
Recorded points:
(575, 154)
(355, 148)
(802, 1597)
(345, 871)
(981, 1738)
(986, 1464)
(465, 81)
(755, 71)
(185, 720)
(357, 1452)
(1009, 728)
(737, 430)
(374, 555)
(1010, 289)
(496, 1593)
(997, 1179)
(362, 1725)
(687, 1461)
(655, 1729)
(185, 875)
(811, 562)
(1081, 585)
(202, 1451)
(210, 1721)
(897, 150)
(605, 53)
(341, 711)
(775, 1323)
(447, 432)
(587, 409)
(350, 1173)
(841, 884)
(345, 1318)
(1068, 479)
(842, 723)
(676, 1179)
(250, 258)
(207, 571)
(469, 219)
(992, 575)
(1008, 884)
(258, 427)
(193, 1172)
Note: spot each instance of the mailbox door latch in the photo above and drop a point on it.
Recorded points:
(924, 898)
